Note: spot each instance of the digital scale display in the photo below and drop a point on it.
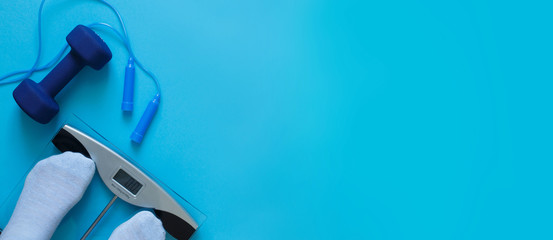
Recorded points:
(129, 183)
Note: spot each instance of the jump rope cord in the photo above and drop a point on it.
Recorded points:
(36, 68)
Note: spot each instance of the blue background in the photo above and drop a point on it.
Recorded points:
(318, 119)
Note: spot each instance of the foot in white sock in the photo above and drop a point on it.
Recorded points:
(143, 226)
(51, 189)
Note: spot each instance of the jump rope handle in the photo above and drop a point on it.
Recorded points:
(145, 120)
(128, 88)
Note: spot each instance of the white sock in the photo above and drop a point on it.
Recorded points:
(143, 226)
(51, 189)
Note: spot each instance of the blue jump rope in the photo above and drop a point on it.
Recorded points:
(41, 106)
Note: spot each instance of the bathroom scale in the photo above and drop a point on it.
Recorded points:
(119, 189)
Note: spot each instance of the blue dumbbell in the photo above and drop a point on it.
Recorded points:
(37, 99)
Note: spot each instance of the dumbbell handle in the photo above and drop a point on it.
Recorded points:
(66, 70)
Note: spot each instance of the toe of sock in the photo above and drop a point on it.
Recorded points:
(63, 177)
(74, 161)
(151, 224)
(143, 225)
(72, 166)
